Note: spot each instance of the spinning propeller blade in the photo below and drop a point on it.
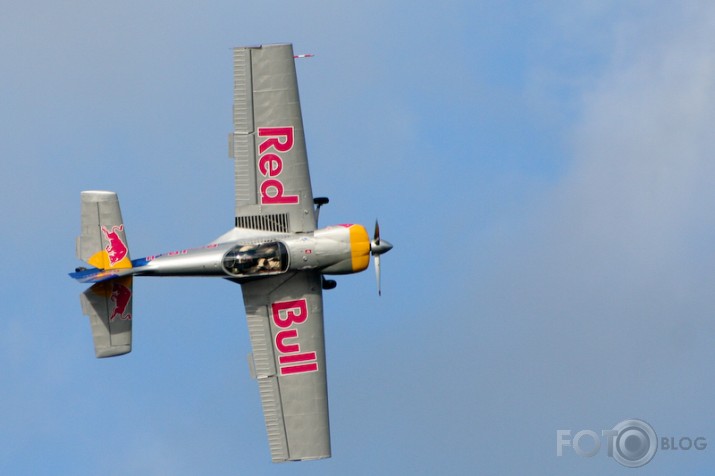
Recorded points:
(378, 247)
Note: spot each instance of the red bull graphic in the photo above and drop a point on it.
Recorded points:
(116, 248)
(270, 164)
(291, 358)
(120, 296)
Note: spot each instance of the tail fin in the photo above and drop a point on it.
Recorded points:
(109, 307)
(103, 243)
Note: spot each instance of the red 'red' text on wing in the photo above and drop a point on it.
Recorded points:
(270, 164)
(291, 358)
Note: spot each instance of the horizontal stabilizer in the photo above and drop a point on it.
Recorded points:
(96, 275)
(109, 307)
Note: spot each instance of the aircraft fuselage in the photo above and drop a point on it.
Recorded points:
(245, 254)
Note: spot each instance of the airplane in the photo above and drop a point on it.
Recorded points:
(275, 251)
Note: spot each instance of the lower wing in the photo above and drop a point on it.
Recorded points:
(285, 323)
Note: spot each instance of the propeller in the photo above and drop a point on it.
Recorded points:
(378, 247)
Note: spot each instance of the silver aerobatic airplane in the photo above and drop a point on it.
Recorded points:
(275, 252)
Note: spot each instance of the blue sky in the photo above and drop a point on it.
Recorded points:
(544, 171)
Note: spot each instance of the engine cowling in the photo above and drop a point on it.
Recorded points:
(343, 249)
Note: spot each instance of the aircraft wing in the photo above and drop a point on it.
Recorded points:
(273, 191)
(285, 323)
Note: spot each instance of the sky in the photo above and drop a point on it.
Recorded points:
(544, 170)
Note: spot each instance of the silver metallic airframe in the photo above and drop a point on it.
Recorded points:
(275, 251)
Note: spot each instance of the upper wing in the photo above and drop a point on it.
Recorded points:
(285, 322)
(273, 191)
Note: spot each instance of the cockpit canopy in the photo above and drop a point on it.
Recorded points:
(256, 259)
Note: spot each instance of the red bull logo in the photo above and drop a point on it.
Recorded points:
(292, 358)
(270, 164)
(120, 296)
(116, 248)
